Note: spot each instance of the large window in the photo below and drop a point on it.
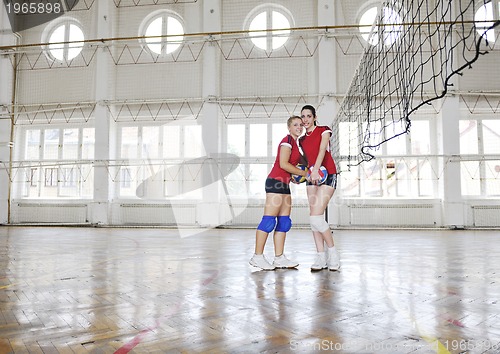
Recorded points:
(159, 161)
(65, 40)
(163, 32)
(402, 169)
(480, 148)
(256, 144)
(58, 163)
(370, 30)
(269, 26)
(485, 17)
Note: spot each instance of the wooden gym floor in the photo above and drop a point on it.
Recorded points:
(103, 290)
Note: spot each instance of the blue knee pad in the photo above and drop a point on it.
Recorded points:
(284, 223)
(267, 223)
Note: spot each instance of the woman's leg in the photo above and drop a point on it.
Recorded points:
(324, 195)
(279, 236)
(282, 227)
(271, 209)
(318, 197)
(267, 224)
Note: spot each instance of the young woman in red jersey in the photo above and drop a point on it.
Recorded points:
(315, 144)
(279, 201)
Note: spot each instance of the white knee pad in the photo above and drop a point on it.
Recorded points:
(318, 223)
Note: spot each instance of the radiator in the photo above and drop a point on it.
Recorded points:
(155, 214)
(250, 215)
(49, 213)
(402, 215)
(244, 215)
(486, 215)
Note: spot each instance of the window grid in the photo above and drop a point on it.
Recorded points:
(248, 180)
(479, 175)
(67, 31)
(397, 171)
(163, 23)
(408, 175)
(264, 20)
(143, 162)
(390, 19)
(57, 168)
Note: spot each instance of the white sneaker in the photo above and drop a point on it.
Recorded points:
(283, 262)
(333, 259)
(259, 261)
(320, 262)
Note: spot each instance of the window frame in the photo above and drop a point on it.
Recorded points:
(375, 28)
(135, 166)
(163, 41)
(268, 8)
(481, 157)
(488, 35)
(41, 167)
(253, 185)
(49, 31)
(378, 178)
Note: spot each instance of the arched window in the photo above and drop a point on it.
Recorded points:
(370, 30)
(65, 38)
(484, 18)
(263, 23)
(164, 32)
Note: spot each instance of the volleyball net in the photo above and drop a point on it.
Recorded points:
(414, 50)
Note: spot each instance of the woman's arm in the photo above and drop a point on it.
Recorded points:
(325, 140)
(285, 164)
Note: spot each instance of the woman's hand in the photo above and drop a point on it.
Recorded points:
(314, 176)
(301, 172)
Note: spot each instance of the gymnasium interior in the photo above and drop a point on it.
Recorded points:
(136, 137)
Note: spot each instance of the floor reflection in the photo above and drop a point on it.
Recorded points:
(148, 290)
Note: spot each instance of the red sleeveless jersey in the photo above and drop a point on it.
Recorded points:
(310, 146)
(277, 172)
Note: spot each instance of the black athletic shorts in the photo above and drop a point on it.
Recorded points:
(331, 181)
(275, 186)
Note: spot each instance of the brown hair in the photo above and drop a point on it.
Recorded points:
(312, 109)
